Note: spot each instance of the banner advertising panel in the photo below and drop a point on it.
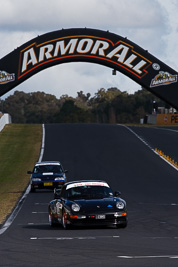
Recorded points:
(167, 119)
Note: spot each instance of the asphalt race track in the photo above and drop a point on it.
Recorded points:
(148, 183)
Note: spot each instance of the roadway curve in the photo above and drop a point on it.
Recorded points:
(148, 184)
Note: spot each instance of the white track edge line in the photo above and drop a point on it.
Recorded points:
(141, 139)
(17, 208)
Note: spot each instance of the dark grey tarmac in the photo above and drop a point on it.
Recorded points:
(148, 184)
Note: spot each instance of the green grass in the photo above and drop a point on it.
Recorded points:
(19, 150)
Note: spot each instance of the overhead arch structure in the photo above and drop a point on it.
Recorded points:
(89, 45)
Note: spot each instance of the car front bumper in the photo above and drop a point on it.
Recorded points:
(46, 184)
(105, 219)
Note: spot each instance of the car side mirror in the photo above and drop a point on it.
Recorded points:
(117, 194)
(57, 193)
(29, 172)
(65, 171)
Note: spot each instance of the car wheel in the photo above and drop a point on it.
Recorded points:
(64, 220)
(32, 189)
(51, 220)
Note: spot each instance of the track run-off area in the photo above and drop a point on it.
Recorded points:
(125, 157)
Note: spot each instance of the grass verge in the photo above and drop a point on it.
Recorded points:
(19, 149)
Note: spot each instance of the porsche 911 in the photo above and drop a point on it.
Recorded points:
(87, 203)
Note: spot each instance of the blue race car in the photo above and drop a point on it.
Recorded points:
(47, 174)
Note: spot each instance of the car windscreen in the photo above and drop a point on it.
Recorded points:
(89, 192)
(48, 169)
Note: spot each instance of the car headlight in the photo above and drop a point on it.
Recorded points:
(59, 179)
(120, 205)
(75, 207)
(36, 179)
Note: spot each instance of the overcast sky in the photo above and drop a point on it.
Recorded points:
(152, 24)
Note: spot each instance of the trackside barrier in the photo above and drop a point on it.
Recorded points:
(5, 119)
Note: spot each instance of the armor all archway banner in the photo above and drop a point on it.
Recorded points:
(89, 45)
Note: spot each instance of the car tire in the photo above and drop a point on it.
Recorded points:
(51, 220)
(32, 190)
(64, 220)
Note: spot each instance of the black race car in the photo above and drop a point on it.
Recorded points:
(47, 174)
(87, 203)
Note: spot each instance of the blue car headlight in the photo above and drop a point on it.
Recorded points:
(75, 207)
(120, 205)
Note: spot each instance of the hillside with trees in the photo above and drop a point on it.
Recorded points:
(106, 106)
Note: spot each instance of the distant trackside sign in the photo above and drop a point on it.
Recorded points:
(89, 45)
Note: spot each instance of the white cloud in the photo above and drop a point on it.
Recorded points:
(43, 15)
(170, 38)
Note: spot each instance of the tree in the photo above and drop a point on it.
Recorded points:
(107, 106)
(35, 107)
(73, 114)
